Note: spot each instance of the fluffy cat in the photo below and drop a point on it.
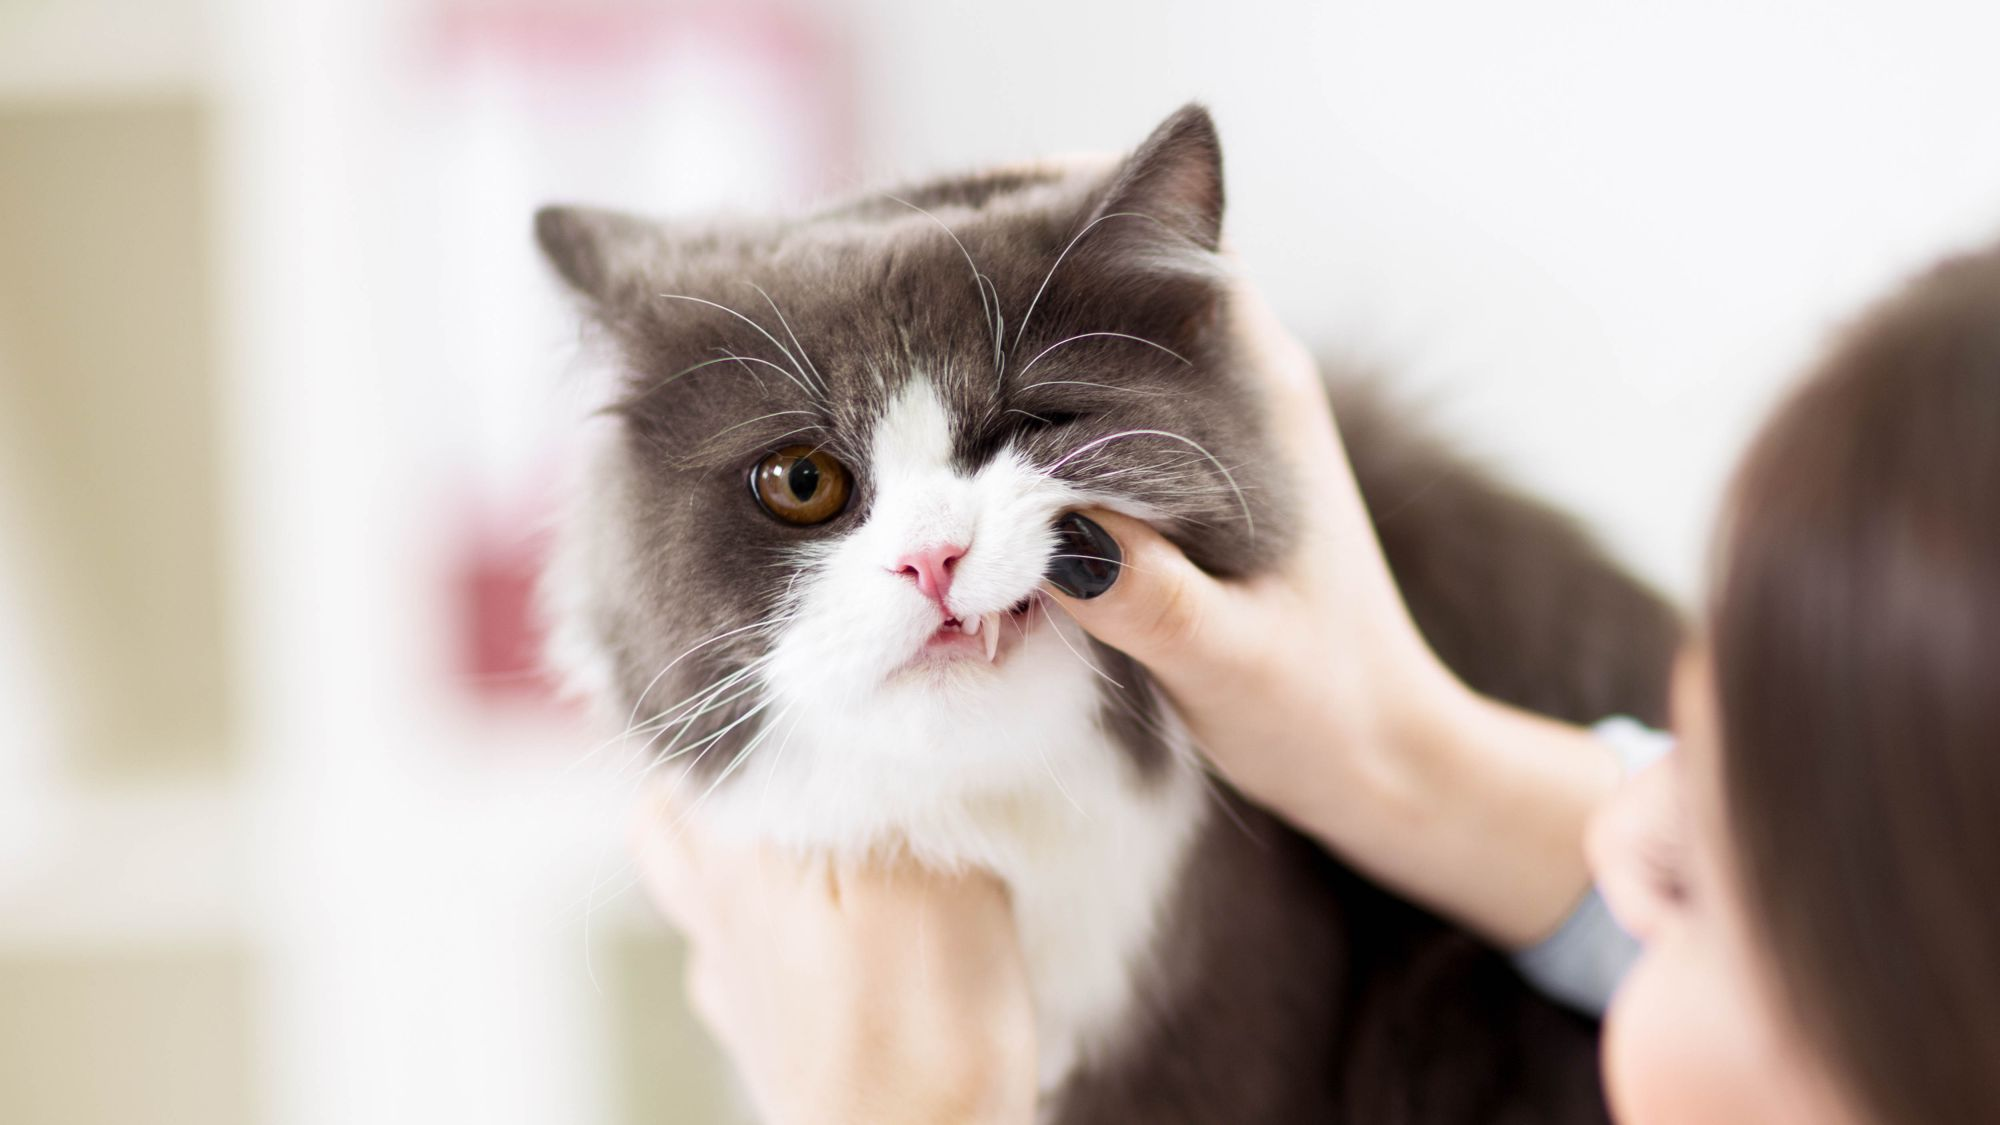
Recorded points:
(805, 556)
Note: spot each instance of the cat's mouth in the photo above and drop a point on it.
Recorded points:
(988, 635)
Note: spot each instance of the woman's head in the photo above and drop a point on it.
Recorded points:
(1824, 939)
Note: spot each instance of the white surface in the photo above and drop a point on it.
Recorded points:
(28, 737)
(89, 48)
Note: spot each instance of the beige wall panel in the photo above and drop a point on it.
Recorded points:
(668, 1068)
(119, 1038)
(108, 398)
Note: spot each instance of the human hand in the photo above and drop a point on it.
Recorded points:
(1312, 691)
(1302, 681)
(849, 992)
(1639, 843)
(1636, 848)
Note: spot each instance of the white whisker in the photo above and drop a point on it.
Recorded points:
(995, 321)
(763, 622)
(1056, 627)
(1088, 227)
(778, 367)
(1249, 527)
(736, 763)
(632, 725)
(692, 369)
(777, 763)
(764, 418)
(788, 332)
(1085, 383)
(667, 716)
(590, 898)
(1121, 564)
(760, 331)
(1088, 335)
(667, 752)
(1042, 753)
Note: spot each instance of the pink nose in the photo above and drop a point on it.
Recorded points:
(931, 567)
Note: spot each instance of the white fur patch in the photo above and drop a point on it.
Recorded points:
(1000, 766)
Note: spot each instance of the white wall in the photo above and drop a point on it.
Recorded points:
(1600, 237)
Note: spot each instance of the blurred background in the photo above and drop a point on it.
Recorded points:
(291, 831)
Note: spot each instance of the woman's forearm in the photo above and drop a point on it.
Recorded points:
(1473, 808)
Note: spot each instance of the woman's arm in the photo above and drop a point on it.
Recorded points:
(1312, 691)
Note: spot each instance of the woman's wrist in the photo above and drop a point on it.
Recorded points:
(961, 1076)
(1381, 780)
(1473, 808)
(973, 1094)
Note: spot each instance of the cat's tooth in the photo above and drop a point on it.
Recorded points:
(970, 626)
(992, 639)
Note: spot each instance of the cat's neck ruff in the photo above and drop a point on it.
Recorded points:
(1091, 851)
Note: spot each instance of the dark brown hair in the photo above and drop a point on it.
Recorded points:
(1856, 627)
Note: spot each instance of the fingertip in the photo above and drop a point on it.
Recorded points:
(1154, 595)
(646, 830)
(1088, 560)
(668, 872)
(1139, 555)
(1120, 541)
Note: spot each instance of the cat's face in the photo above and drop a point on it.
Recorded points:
(842, 441)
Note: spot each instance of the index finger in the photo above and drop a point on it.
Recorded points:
(1162, 610)
(1284, 371)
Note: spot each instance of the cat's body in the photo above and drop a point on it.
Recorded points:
(1292, 990)
(970, 360)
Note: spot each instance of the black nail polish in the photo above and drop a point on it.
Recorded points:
(1087, 559)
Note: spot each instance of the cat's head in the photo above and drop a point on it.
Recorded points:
(839, 442)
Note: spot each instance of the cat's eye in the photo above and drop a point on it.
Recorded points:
(801, 484)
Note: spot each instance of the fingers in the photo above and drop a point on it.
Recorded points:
(707, 887)
(1276, 356)
(1634, 849)
(668, 860)
(1285, 374)
(707, 997)
(1159, 608)
(802, 968)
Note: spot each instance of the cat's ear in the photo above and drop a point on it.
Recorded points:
(601, 254)
(1168, 194)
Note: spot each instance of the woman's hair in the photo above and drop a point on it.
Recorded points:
(1856, 633)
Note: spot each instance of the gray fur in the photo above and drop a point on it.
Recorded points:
(1287, 988)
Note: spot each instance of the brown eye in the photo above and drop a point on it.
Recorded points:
(800, 484)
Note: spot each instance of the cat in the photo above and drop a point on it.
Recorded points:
(804, 554)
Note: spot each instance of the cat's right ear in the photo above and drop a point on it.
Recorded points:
(600, 253)
(1174, 179)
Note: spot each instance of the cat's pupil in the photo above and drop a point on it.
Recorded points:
(802, 478)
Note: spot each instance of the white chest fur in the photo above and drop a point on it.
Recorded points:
(1091, 860)
(1089, 896)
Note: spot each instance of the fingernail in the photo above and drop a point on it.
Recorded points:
(1087, 558)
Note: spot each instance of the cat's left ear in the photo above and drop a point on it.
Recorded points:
(1166, 199)
(603, 255)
